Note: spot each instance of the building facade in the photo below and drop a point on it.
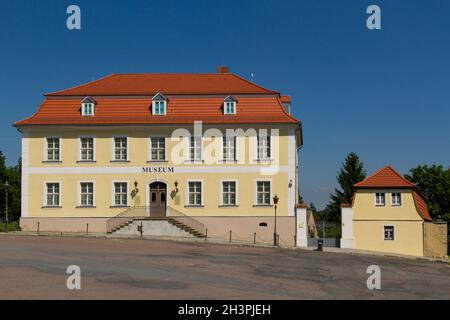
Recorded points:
(213, 149)
(388, 214)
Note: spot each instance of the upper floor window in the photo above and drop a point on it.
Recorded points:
(229, 148)
(380, 199)
(120, 149)
(229, 105)
(158, 149)
(159, 104)
(87, 149)
(396, 199)
(263, 145)
(53, 149)
(52, 194)
(195, 149)
(88, 106)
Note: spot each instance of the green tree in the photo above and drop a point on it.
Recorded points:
(433, 183)
(352, 172)
(12, 175)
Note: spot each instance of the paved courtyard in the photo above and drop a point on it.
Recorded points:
(34, 268)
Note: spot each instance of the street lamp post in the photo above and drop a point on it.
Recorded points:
(275, 236)
(6, 186)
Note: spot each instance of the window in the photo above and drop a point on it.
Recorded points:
(53, 149)
(263, 142)
(195, 193)
(389, 233)
(159, 107)
(195, 148)
(396, 199)
(229, 148)
(229, 193)
(158, 149)
(87, 149)
(87, 109)
(52, 194)
(230, 107)
(120, 194)
(263, 193)
(380, 199)
(120, 149)
(87, 194)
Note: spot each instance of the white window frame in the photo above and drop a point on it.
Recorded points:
(384, 232)
(396, 204)
(268, 157)
(93, 148)
(151, 146)
(45, 194)
(377, 204)
(200, 147)
(113, 194)
(255, 193)
(225, 146)
(154, 107)
(113, 149)
(225, 107)
(46, 148)
(202, 195)
(79, 194)
(236, 193)
(84, 105)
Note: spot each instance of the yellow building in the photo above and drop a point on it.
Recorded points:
(178, 154)
(389, 215)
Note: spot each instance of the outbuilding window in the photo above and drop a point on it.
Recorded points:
(380, 199)
(389, 233)
(396, 199)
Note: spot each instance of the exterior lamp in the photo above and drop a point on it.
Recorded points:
(136, 190)
(176, 185)
(6, 187)
(275, 236)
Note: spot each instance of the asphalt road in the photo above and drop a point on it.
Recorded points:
(35, 268)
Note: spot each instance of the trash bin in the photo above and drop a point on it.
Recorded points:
(319, 245)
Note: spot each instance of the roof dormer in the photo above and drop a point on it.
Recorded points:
(229, 105)
(159, 104)
(88, 106)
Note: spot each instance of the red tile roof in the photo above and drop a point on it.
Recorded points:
(421, 206)
(167, 83)
(180, 110)
(387, 177)
(126, 99)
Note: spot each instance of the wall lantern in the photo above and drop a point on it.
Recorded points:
(176, 185)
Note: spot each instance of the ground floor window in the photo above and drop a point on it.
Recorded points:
(53, 194)
(195, 193)
(87, 194)
(388, 232)
(263, 193)
(120, 194)
(229, 193)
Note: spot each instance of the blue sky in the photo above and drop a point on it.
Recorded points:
(384, 94)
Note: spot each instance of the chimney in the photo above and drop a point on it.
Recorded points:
(223, 69)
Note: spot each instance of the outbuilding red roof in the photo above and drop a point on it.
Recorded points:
(386, 177)
(421, 206)
(127, 99)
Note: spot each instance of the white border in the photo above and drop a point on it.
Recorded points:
(236, 190)
(44, 200)
(25, 172)
(79, 182)
(202, 198)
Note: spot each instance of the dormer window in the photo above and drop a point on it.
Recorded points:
(229, 105)
(88, 106)
(159, 105)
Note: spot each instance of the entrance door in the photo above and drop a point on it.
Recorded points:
(158, 198)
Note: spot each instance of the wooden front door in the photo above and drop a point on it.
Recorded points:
(158, 198)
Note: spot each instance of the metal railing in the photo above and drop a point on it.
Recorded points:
(145, 212)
